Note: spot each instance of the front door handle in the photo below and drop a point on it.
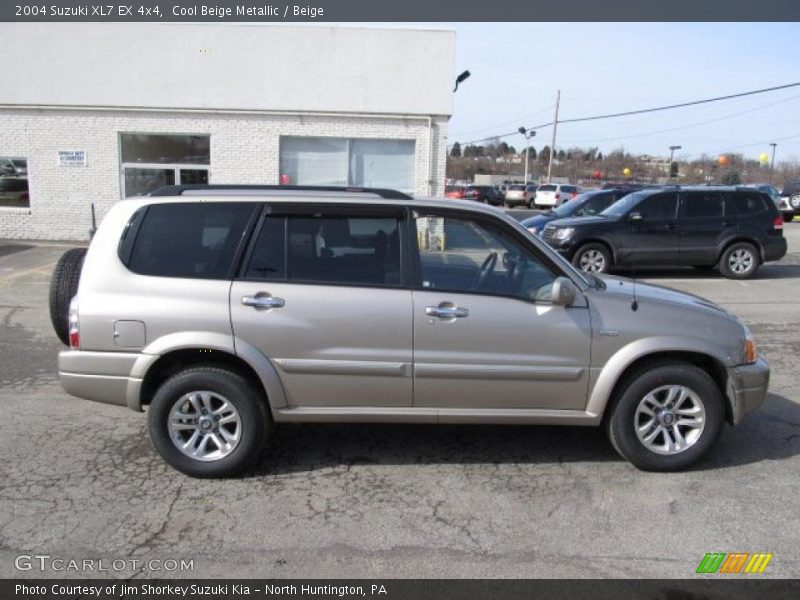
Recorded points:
(670, 226)
(447, 312)
(263, 302)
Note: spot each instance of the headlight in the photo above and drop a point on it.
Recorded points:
(564, 233)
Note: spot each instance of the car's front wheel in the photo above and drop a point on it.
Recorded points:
(666, 417)
(592, 258)
(208, 421)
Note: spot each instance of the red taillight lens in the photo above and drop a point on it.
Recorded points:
(558, 195)
(778, 222)
(74, 330)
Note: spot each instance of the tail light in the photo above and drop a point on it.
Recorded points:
(74, 331)
(778, 222)
(558, 195)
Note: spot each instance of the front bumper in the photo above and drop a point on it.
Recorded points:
(747, 388)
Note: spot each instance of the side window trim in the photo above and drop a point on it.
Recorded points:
(247, 254)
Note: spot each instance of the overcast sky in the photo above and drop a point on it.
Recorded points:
(611, 67)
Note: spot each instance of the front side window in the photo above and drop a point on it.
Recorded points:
(658, 207)
(328, 249)
(150, 161)
(14, 182)
(194, 240)
(462, 255)
(702, 205)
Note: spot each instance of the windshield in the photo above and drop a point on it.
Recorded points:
(623, 205)
(516, 188)
(546, 188)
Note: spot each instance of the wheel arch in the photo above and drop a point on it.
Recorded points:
(168, 355)
(639, 355)
(597, 240)
(745, 239)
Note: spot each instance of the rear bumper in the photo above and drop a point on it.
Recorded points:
(747, 388)
(775, 248)
(107, 377)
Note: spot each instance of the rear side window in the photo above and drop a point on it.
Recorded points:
(195, 240)
(744, 204)
(546, 188)
(702, 204)
(334, 249)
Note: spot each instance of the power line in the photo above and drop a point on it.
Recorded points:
(682, 127)
(645, 110)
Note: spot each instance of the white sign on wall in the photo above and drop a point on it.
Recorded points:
(72, 158)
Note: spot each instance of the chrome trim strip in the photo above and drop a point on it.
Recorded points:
(506, 372)
(343, 367)
(411, 414)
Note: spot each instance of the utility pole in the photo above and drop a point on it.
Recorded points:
(671, 154)
(772, 164)
(553, 144)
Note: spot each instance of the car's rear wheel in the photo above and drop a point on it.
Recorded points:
(208, 421)
(787, 218)
(592, 258)
(739, 261)
(666, 417)
(63, 287)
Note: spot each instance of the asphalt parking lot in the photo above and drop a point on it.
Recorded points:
(80, 480)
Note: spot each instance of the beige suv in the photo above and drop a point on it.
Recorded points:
(226, 309)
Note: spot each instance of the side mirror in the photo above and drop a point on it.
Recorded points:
(563, 292)
(634, 216)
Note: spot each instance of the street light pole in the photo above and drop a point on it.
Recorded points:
(772, 164)
(526, 136)
(671, 154)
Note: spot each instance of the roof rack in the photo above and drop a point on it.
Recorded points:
(180, 190)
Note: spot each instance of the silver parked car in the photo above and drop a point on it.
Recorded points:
(224, 310)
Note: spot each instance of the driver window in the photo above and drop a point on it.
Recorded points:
(462, 255)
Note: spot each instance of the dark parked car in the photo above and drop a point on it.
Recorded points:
(736, 229)
(585, 205)
(487, 194)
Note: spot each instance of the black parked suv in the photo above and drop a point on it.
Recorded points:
(735, 229)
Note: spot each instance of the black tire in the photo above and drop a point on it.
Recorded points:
(593, 250)
(63, 287)
(621, 421)
(248, 400)
(727, 264)
(787, 218)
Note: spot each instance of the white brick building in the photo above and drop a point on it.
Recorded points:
(101, 112)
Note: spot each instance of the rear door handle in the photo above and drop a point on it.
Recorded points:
(263, 302)
(447, 312)
(670, 226)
